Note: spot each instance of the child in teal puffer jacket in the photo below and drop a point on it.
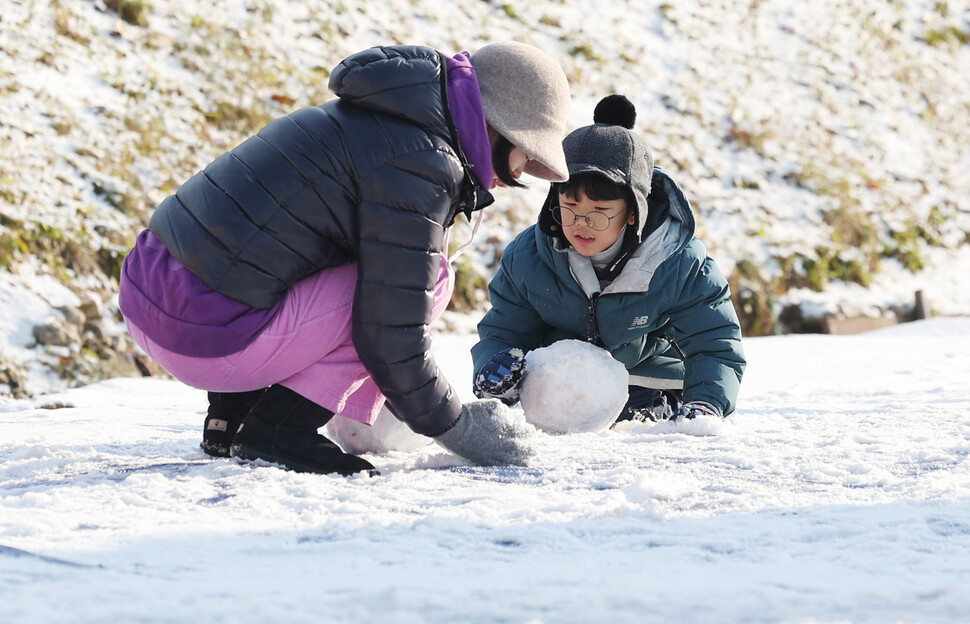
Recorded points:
(613, 260)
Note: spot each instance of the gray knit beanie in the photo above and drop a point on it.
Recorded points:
(526, 99)
(610, 148)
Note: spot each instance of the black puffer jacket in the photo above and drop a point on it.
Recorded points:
(375, 176)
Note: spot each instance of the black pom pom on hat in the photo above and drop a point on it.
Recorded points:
(615, 110)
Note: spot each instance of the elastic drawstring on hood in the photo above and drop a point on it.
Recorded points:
(461, 249)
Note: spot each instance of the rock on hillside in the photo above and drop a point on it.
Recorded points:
(825, 146)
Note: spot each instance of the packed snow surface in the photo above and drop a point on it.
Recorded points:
(838, 492)
(572, 386)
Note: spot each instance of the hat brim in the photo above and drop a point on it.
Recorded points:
(538, 169)
(547, 160)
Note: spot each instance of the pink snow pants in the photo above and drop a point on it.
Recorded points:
(307, 347)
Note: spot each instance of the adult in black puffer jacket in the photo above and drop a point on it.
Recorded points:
(332, 221)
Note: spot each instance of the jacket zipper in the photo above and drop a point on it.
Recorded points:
(592, 328)
(673, 343)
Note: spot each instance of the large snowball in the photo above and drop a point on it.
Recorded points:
(572, 387)
(386, 434)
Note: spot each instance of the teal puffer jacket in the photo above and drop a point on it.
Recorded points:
(668, 315)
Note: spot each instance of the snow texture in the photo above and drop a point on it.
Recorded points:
(572, 386)
(838, 492)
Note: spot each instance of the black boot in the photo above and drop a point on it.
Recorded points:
(282, 429)
(226, 412)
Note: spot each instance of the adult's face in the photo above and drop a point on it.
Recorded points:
(517, 163)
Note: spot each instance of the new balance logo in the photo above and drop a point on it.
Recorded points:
(639, 321)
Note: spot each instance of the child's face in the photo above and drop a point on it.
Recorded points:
(585, 239)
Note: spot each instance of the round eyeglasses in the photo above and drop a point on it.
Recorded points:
(594, 220)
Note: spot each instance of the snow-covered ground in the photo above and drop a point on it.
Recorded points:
(839, 492)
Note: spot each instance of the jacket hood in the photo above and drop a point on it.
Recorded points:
(411, 83)
(401, 81)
